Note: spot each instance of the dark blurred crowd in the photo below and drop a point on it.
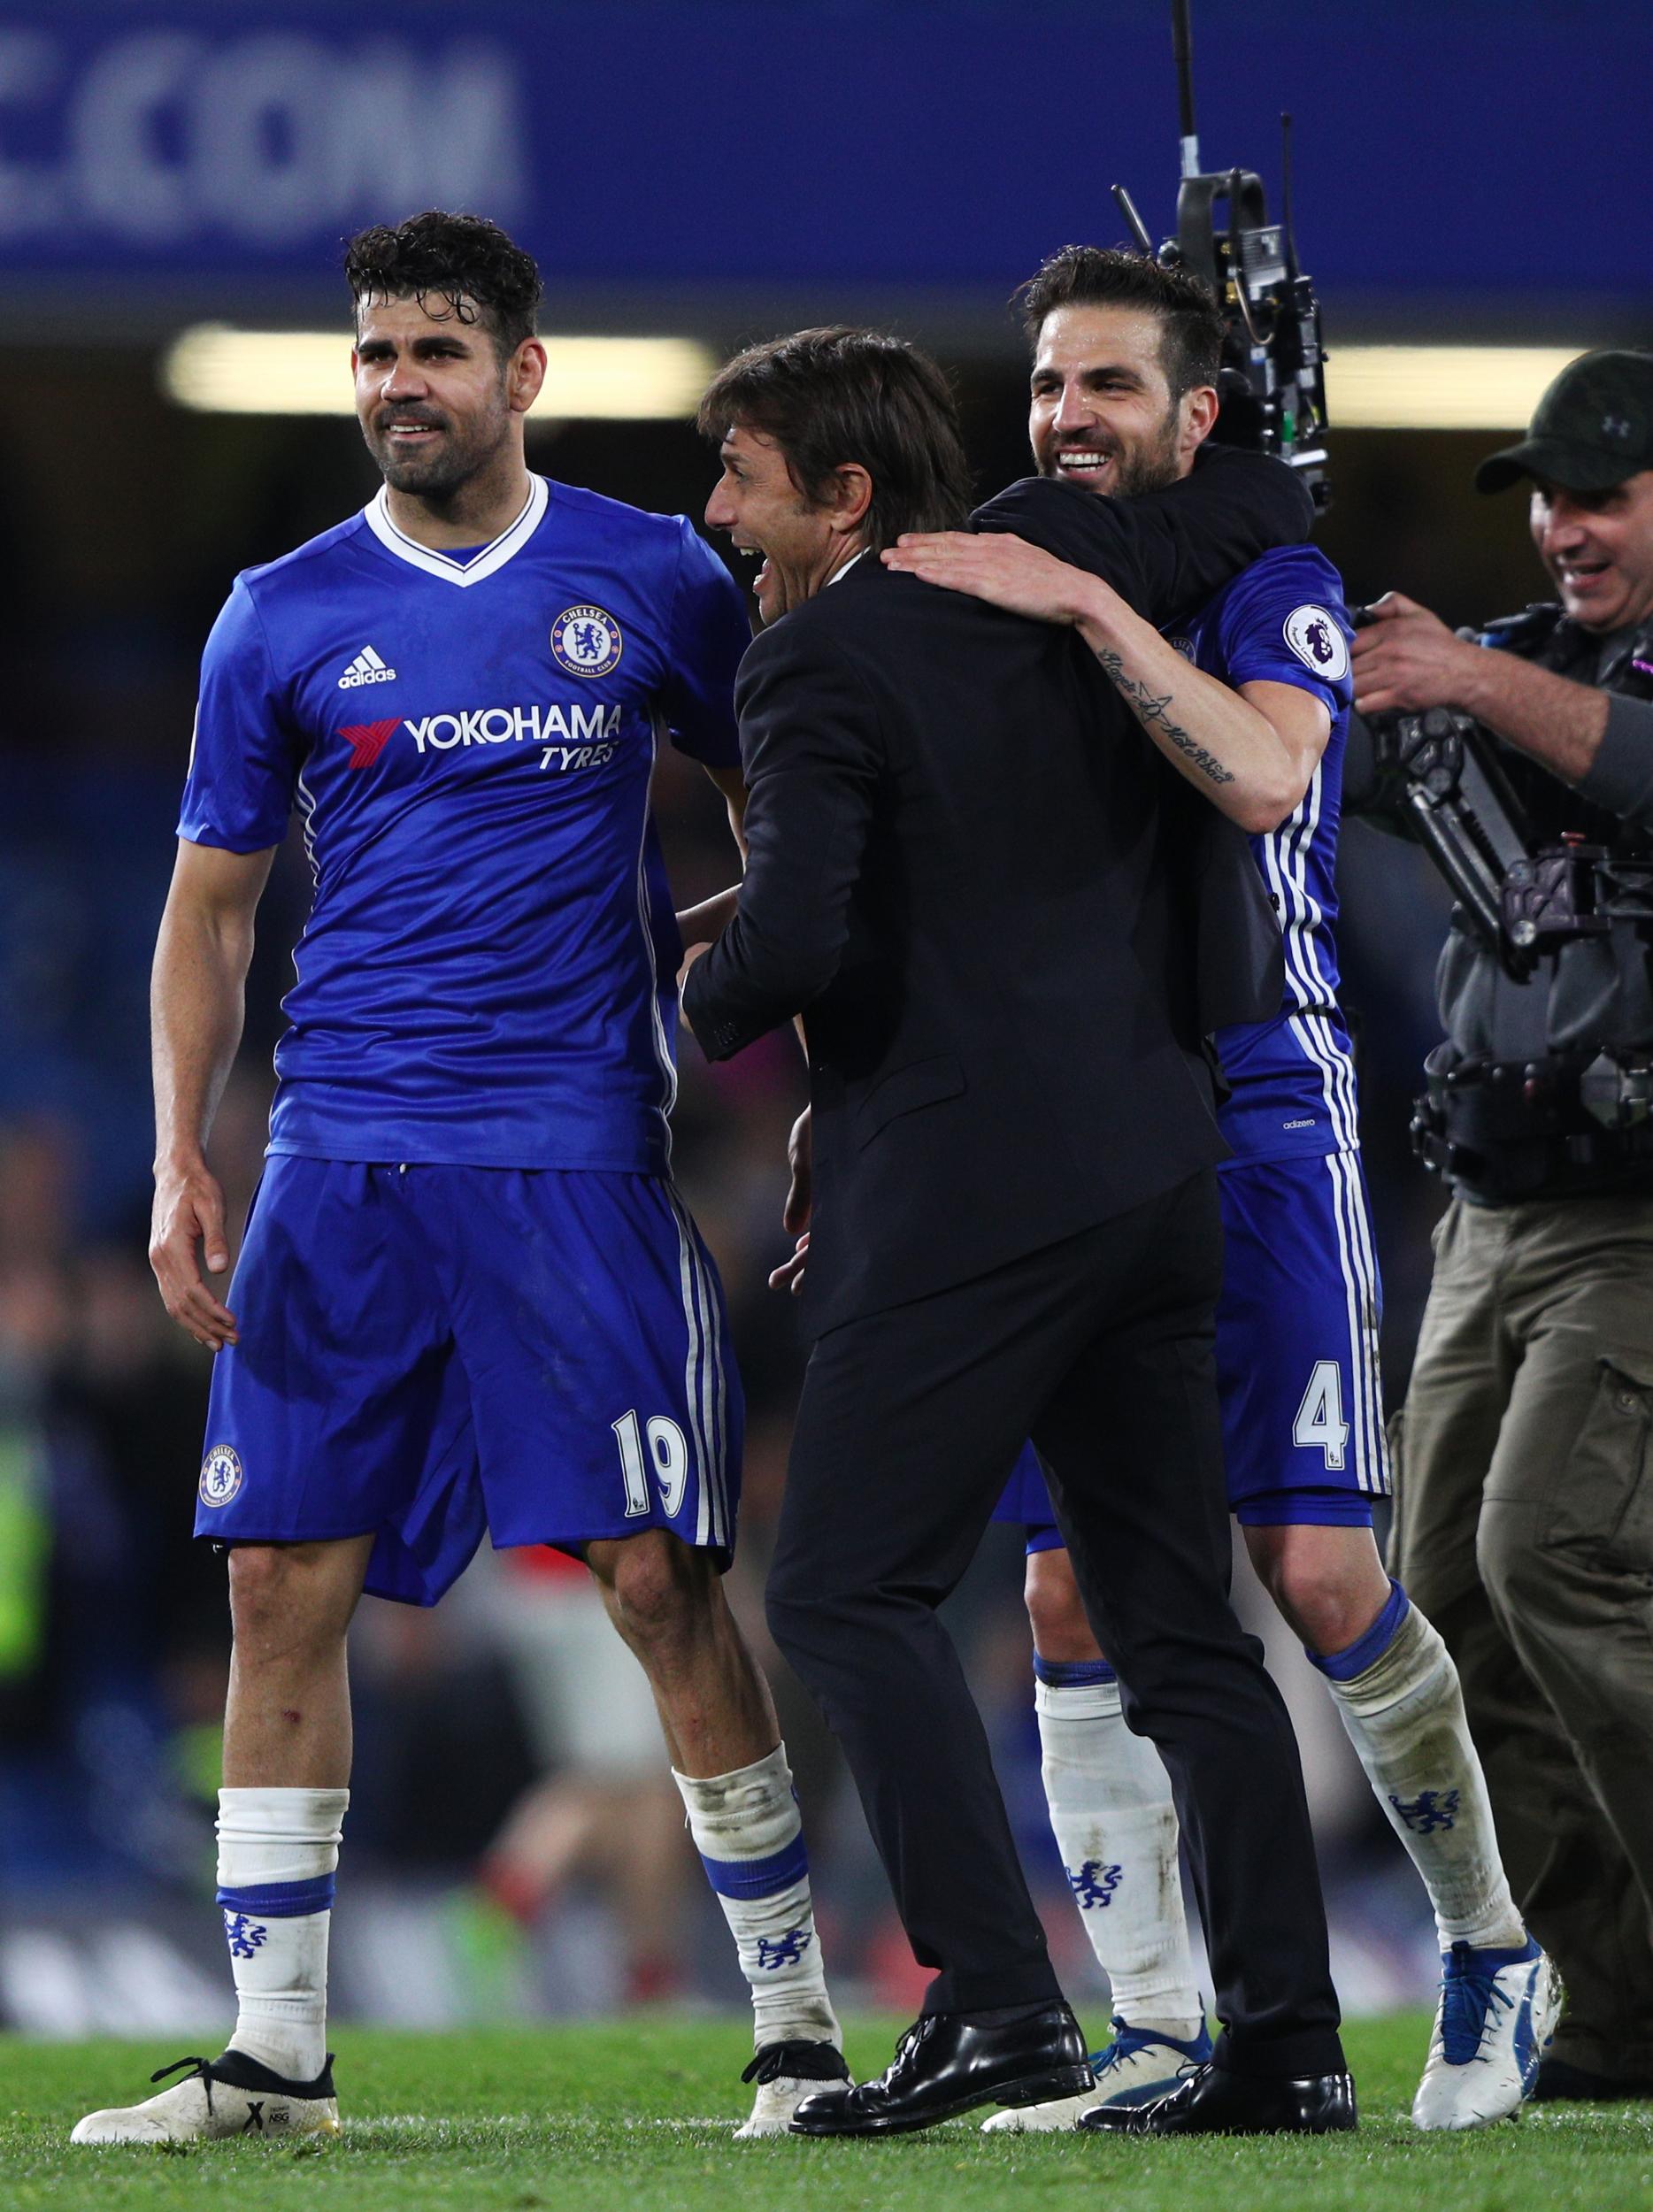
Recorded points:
(488, 1844)
(487, 1840)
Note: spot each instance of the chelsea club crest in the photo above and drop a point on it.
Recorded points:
(220, 1475)
(586, 640)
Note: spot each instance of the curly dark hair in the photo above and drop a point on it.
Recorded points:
(1191, 329)
(835, 394)
(463, 259)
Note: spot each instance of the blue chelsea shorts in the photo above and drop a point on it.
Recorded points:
(1297, 1328)
(428, 1353)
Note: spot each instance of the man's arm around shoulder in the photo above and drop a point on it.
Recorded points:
(1166, 552)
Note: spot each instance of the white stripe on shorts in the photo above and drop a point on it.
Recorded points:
(711, 1381)
(1359, 1266)
(703, 1385)
(691, 1369)
(720, 1397)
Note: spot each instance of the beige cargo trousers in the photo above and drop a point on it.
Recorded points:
(1524, 1531)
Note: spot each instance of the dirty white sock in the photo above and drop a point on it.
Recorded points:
(1397, 1691)
(749, 1836)
(1116, 1827)
(277, 1853)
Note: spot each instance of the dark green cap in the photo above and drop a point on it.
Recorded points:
(1592, 429)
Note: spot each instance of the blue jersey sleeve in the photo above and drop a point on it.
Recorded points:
(246, 756)
(1283, 621)
(708, 636)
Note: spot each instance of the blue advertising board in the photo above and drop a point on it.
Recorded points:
(1446, 156)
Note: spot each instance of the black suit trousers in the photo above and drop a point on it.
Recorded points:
(1099, 1348)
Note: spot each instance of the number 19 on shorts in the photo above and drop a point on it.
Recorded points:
(661, 1441)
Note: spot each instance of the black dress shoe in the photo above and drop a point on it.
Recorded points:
(945, 2065)
(1560, 2082)
(1214, 2101)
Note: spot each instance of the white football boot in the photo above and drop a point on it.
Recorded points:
(231, 2095)
(786, 2073)
(1497, 2013)
(1136, 2068)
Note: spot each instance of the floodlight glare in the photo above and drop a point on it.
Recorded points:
(1438, 388)
(216, 370)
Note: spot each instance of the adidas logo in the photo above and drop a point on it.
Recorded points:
(366, 668)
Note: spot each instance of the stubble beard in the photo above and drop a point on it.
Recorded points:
(441, 476)
(1152, 465)
(1149, 467)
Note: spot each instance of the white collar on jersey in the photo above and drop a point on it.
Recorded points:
(376, 514)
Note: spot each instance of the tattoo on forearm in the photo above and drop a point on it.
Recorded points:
(1152, 714)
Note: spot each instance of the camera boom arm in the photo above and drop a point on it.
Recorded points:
(1273, 379)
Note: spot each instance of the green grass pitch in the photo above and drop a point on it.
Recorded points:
(635, 2117)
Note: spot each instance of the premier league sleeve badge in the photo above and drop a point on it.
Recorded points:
(1315, 638)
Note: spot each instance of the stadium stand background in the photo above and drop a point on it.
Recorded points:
(705, 173)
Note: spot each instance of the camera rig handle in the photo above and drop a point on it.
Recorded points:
(1465, 815)
(1519, 898)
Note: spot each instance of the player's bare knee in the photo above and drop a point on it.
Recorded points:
(1327, 1583)
(1061, 1628)
(258, 1578)
(1327, 1607)
(281, 1598)
(661, 1590)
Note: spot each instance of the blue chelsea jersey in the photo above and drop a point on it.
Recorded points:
(487, 974)
(1283, 620)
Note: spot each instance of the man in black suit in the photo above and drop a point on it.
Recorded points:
(962, 874)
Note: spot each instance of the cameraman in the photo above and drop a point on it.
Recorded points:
(1525, 1501)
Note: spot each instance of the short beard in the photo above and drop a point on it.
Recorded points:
(437, 477)
(1152, 466)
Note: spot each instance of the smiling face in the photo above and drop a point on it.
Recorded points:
(1598, 547)
(768, 519)
(433, 396)
(1102, 414)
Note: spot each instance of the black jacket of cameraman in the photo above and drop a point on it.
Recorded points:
(1505, 1117)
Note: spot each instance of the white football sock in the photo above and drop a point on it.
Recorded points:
(749, 1836)
(1116, 1828)
(277, 1853)
(1397, 1691)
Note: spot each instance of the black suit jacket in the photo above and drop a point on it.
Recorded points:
(977, 897)
(1223, 911)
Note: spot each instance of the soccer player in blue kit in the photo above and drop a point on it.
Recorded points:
(470, 1298)
(1249, 705)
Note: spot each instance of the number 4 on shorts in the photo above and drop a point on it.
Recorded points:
(1320, 1417)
